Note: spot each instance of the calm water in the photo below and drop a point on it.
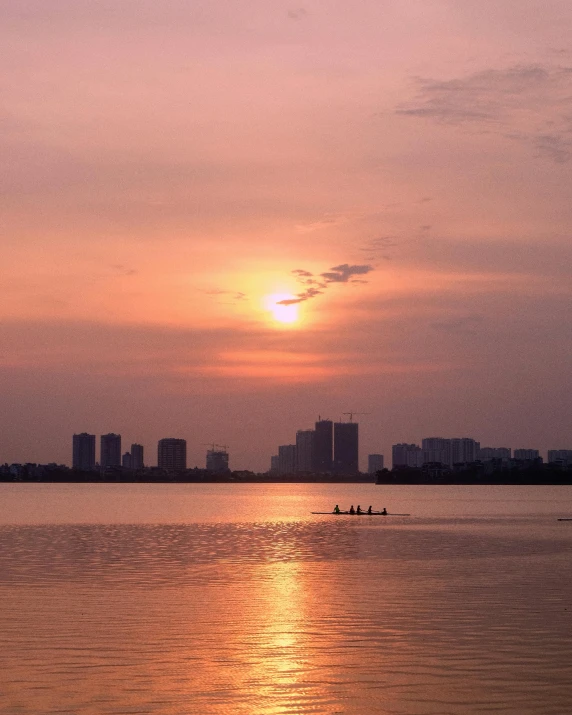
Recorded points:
(212, 599)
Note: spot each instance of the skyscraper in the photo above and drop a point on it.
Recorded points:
(172, 454)
(374, 463)
(526, 454)
(110, 453)
(406, 455)
(217, 460)
(487, 453)
(137, 456)
(436, 449)
(287, 459)
(563, 457)
(323, 446)
(464, 449)
(346, 448)
(305, 450)
(84, 452)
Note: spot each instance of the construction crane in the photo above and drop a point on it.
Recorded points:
(214, 446)
(351, 414)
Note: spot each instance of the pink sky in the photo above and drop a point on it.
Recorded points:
(165, 166)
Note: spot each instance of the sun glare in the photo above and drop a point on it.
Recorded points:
(281, 313)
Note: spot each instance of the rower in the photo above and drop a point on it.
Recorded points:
(384, 511)
(352, 510)
(336, 509)
(369, 509)
(359, 511)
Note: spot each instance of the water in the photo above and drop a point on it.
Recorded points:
(212, 599)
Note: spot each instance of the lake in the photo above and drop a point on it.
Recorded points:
(225, 598)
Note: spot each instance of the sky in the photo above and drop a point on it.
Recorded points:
(220, 220)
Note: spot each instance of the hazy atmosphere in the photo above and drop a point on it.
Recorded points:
(221, 220)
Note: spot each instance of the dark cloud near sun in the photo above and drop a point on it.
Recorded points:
(530, 104)
(344, 272)
(316, 285)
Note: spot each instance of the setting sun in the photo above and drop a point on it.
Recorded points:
(281, 313)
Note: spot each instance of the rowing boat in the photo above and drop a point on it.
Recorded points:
(361, 513)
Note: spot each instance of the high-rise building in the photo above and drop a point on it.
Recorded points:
(217, 460)
(406, 455)
(323, 446)
(274, 464)
(346, 448)
(110, 453)
(560, 456)
(287, 459)
(486, 454)
(137, 456)
(526, 454)
(436, 449)
(172, 454)
(374, 463)
(126, 461)
(305, 450)
(83, 457)
(464, 449)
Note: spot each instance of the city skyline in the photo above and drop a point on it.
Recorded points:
(301, 456)
(245, 211)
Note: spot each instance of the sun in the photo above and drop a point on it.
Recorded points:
(281, 313)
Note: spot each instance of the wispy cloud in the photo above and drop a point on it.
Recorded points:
(297, 13)
(531, 104)
(235, 296)
(317, 284)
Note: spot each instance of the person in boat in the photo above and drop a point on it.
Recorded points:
(336, 509)
(352, 510)
(358, 510)
(384, 511)
(369, 509)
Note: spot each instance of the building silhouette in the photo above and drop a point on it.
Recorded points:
(172, 454)
(83, 454)
(464, 449)
(449, 451)
(436, 449)
(346, 448)
(563, 457)
(526, 454)
(287, 459)
(110, 452)
(374, 463)
(323, 447)
(486, 454)
(305, 450)
(126, 460)
(217, 460)
(406, 455)
(137, 456)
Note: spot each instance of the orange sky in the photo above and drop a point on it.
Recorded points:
(165, 166)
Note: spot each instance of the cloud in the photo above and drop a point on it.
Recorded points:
(530, 104)
(301, 297)
(297, 13)
(343, 273)
(236, 296)
(465, 324)
(124, 270)
(317, 285)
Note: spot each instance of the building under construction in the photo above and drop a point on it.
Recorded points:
(217, 460)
